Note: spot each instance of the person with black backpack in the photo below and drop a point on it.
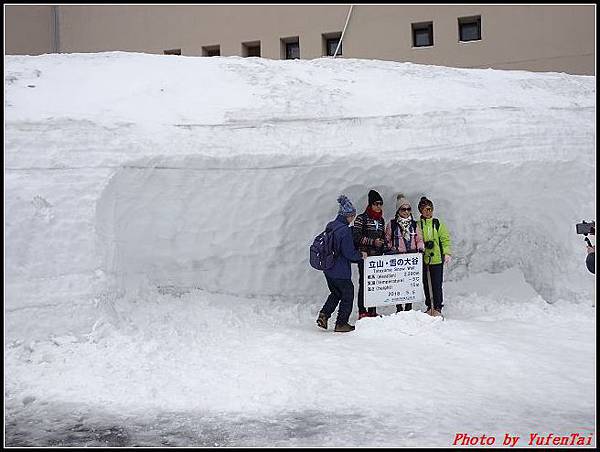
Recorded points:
(338, 273)
(403, 235)
(369, 238)
(437, 253)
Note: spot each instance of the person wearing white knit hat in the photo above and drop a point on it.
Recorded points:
(403, 235)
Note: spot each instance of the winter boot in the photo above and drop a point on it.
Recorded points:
(429, 311)
(322, 320)
(399, 308)
(408, 307)
(345, 328)
(363, 315)
(437, 313)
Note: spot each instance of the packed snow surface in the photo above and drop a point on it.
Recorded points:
(158, 213)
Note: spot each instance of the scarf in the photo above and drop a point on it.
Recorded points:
(404, 226)
(374, 215)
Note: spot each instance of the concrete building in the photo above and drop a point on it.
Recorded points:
(532, 37)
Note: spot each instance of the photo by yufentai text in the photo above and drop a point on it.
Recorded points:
(393, 279)
(533, 439)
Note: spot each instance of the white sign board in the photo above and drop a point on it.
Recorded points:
(393, 279)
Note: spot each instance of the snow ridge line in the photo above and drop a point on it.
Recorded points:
(443, 113)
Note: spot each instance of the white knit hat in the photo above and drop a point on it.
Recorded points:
(401, 200)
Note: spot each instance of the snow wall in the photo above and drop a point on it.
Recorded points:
(125, 171)
(243, 225)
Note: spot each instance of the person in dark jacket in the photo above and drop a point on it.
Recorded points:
(369, 238)
(339, 277)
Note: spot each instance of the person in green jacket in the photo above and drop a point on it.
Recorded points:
(438, 251)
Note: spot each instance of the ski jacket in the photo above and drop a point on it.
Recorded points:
(365, 231)
(397, 244)
(440, 236)
(344, 247)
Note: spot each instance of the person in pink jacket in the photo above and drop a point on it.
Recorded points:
(403, 235)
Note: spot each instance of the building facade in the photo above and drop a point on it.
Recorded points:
(548, 37)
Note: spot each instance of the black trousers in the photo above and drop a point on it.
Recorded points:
(342, 292)
(436, 274)
(407, 307)
(361, 290)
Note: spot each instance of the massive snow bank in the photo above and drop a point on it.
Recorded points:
(127, 169)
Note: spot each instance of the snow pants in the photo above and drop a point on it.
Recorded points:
(436, 272)
(361, 290)
(342, 292)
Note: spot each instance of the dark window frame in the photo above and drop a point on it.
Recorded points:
(285, 47)
(419, 27)
(209, 51)
(326, 39)
(248, 49)
(470, 20)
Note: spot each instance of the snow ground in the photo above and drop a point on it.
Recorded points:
(202, 369)
(158, 215)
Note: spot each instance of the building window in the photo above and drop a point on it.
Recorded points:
(330, 43)
(422, 34)
(173, 52)
(211, 51)
(251, 49)
(290, 48)
(469, 28)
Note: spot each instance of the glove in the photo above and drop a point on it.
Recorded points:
(447, 259)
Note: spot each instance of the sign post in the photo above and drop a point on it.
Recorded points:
(393, 279)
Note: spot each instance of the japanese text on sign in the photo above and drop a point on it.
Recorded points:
(393, 279)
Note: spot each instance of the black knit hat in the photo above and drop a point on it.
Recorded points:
(374, 196)
(425, 202)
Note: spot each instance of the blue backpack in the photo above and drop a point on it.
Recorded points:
(322, 250)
